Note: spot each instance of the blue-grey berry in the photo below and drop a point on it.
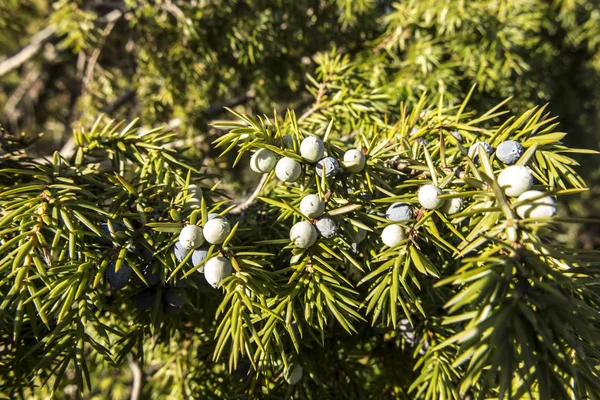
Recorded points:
(474, 151)
(198, 256)
(105, 228)
(212, 216)
(373, 212)
(144, 254)
(509, 151)
(330, 165)
(118, 279)
(180, 251)
(144, 299)
(171, 310)
(152, 274)
(327, 227)
(173, 298)
(399, 212)
(457, 136)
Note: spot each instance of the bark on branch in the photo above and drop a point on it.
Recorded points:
(37, 42)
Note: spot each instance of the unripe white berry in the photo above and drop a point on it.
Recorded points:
(354, 160)
(542, 207)
(303, 234)
(263, 161)
(191, 237)
(312, 149)
(216, 269)
(288, 169)
(294, 375)
(429, 197)
(392, 235)
(515, 180)
(312, 206)
(195, 190)
(453, 205)
(216, 230)
(196, 195)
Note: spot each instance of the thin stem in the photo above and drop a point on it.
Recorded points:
(241, 207)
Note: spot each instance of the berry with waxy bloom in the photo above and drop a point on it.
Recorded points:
(509, 151)
(212, 216)
(399, 212)
(173, 298)
(293, 375)
(536, 205)
(474, 150)
(195, 192)
(312, 149)
(453, 205)
(393, 235)
(327, 227)
(198, 256)
(263, 161)
(429, 197)
(329, 165)
(216, 269)
(312, 206)
(118, 279)
(288, 169)
(191, 237)
(216, 230)
(354, 160)
(457, 136)
(515, 180)
(303, 234)
(179, 251)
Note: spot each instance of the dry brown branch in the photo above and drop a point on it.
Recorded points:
(29, 51)
(111, 19)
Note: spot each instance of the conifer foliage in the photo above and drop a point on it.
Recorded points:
(404, 234)
(384, 254)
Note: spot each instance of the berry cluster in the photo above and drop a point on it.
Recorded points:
(515, 181)
(192, 238)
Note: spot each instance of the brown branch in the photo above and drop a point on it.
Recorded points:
(137, 377)
(10, 107)
(29, 51)
(317, 105)
(111, 19)
(250, 200)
